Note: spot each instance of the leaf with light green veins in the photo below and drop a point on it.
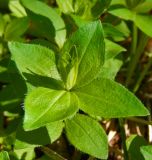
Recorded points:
(36, 59)
(42, 9)
(44, 105)
(89, 42)
(4, 155)
(106, 98)
(87, 135)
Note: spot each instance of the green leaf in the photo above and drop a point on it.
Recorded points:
(2, 25)
(42, 9)
(38, 29)
(35, 59)
(12, 94)
(112, 49)
(112, 31)
(16, 28)
(134, 142)
(89, 42)
(4, 155)
(146, 152)
(51, 105)
(87, 135)
(26, 139)
(86, 9)
(27, 153)
(144, 7)
(51, 154)
(16, 8)
(31, 139)
(110, 68)
(123, 13)
(55, 130)
(133, 3)
(106, 98)
(144, 23)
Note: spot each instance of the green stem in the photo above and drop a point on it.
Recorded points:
(136, 53)
(132, 53)
(52, 154)
(142, 75)
(141, 121)
(123, 138)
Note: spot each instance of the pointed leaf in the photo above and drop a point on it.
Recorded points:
(55, 130)
(112, 49)
(44, 105)
(106, 98)
(134, 142)
(32, 58)
(89, 42)
(144, 23)
(87, 135)
(110, 69)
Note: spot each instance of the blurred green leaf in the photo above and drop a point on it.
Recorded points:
(146, 152)
(42, 9)
(16, 8)
(134, 142)
(112, 49)
(16, 28)
(86, 9)
(4, 155)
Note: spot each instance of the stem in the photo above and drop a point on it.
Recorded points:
(91, 158)
(132, 53)
(136, 53)
(123, 138)
(141, 121)
(144, 72)
(52, 154)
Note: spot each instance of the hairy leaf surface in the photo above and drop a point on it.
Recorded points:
(106, 98)
(87, 135)
(34, 59)
(44, 105)
(89, 42)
